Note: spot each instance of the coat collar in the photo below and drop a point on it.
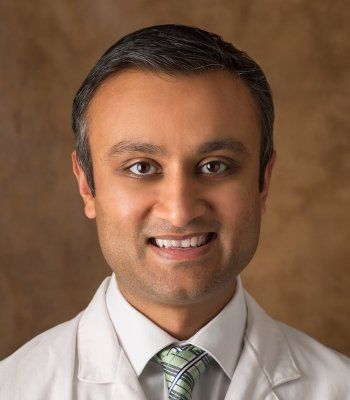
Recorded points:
(100, 357)
(266, 354)
(98, 348)
(267, 340)
(266, 358)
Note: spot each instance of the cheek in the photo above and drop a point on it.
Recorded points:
(120, 208)
(119, 219)
(115, 196)
(236, 200)
(239, 211)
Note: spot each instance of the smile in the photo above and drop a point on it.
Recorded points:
(189, 248)
(194, 241)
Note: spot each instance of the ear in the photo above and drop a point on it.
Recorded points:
(84, 189)
(267, 178)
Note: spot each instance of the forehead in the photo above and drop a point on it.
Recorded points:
(176, 113)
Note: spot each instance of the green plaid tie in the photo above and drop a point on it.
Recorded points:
(182, 366)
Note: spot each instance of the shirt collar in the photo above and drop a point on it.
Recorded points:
(221, 337)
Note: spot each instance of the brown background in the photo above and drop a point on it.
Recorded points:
(49, 255)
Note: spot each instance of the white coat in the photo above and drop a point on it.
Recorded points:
(81, 359)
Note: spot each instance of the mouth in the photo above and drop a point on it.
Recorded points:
(185, 249)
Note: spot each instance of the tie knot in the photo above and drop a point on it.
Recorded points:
(182, 365)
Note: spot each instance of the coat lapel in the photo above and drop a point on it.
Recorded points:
(103, 368)
(266, 360)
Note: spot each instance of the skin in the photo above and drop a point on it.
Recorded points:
(178, 193)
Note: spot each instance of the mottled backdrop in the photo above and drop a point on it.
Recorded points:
(49, 255)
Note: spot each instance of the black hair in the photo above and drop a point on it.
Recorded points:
(173, 49)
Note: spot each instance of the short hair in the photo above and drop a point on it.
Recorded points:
(173, 49)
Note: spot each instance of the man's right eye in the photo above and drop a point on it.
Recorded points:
(142, 168)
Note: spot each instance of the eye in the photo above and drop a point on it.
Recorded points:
(214, 167)
(142, 168)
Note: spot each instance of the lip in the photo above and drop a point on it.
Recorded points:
(189, 253)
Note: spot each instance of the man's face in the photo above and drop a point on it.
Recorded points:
(185, 188)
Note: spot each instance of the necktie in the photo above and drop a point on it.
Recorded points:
(182, 366)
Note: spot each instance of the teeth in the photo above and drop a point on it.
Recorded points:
(195, 241)
(186, 243)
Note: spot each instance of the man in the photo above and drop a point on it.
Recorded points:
(173, 159)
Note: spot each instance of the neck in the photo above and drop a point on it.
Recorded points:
(181, 321)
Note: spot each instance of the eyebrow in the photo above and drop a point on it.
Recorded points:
(129, 146)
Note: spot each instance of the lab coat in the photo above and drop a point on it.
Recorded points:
(81, 359)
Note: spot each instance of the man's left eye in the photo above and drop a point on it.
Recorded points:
(214, 167)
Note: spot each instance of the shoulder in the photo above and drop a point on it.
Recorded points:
(296, 365)
(45, 367)
(325, 373)
(37, 360)
(310, 353)
(303, 347)
(45, 344)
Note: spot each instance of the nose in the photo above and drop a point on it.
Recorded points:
(180, 200)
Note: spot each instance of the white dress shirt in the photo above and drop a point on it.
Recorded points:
(141, 339)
